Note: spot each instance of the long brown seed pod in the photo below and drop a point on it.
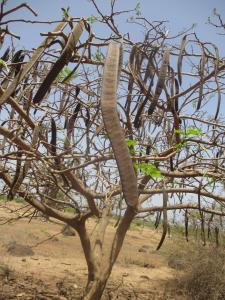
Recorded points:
(180, 59)
(25, 70)
(186, 221)
(202, 72)
(165, 219)
(161, 81)
(113, 129)
(60, 63)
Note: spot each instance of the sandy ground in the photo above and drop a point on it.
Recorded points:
(44, 264)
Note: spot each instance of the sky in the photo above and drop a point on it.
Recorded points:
(181, 14)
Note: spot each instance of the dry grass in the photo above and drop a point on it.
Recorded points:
(204, 276)
(5, 271)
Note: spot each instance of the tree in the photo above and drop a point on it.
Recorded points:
(99, 146)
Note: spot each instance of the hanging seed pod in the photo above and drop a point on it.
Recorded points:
(53, 137)
(209, 226)
(158, 219)
(180, 58)
(165, 219)
(186, 220)
(161, 81)
(217, 236)
(5, 56)
(113, 128)
(11, 193)
(72, 121)
(77, 91)
(148, 96)
(176, 93)
(203, 229)
(171, 164)
(201, 73)
(217, 83)
(60, 63)
(87, 119)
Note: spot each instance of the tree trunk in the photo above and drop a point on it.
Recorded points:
(95, 289)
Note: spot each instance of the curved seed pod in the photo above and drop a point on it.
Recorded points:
(165, 219)
(36, 55)
(14, 69)
(120, 60)
(71, 122)
(203, 228)
(5, 56)
(150, 69)
(23, 171)
(11, 193)
(217, 236)
(158, 219)
(176, 92)
(180, 58)
(17, 59)
(87, 119)
(113, 129)
(209, 226)
(186, 224)
(217, 83)
(161, 80)
(54, 137)
(131, 80)
(202, 67)
(60, 63)
(137, 121)
(171, 164)
(132, 56)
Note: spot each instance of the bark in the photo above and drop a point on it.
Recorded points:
(96, 283)
(95, 289)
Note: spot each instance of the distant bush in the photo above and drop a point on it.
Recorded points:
(204, 276)
(5, 271)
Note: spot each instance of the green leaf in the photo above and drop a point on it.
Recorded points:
(131, 143)
(180, 145)
(98, 55)
(190, 131)
(65, 12)
(4, 64)
(194, 131)
(138, 9)
(148, 169)
(179, 131)
(92, 19)
(64, 73)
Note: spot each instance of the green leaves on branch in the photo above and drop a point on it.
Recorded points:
(210, 180)
(189, 131)
(65, 12)
(64, 73)
(148, 169)
(138, 9)
(180, 145)
(4, 65)
(131, 143)
(92, 19)
(143, 167)
(98, 55)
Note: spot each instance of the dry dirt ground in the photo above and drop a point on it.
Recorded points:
(38, 262)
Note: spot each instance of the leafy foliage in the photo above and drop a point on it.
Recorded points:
(4, 64)
(148, 169)
(92, 19)
(64, 73)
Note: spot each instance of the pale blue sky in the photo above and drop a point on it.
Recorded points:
(181, 14)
